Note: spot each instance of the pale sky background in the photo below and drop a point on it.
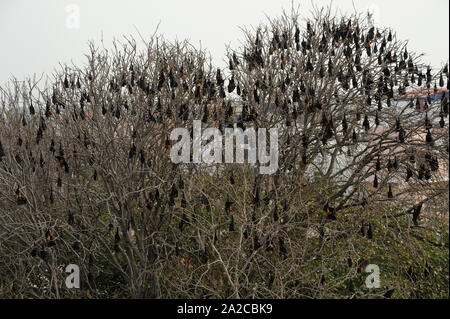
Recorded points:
(34, 36)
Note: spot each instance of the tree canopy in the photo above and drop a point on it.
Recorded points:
(363, 174)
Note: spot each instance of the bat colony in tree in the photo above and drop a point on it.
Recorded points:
(86, 176)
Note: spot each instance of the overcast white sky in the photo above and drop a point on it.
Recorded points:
(35, 37)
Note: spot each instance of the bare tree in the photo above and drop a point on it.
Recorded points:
(86, 176)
